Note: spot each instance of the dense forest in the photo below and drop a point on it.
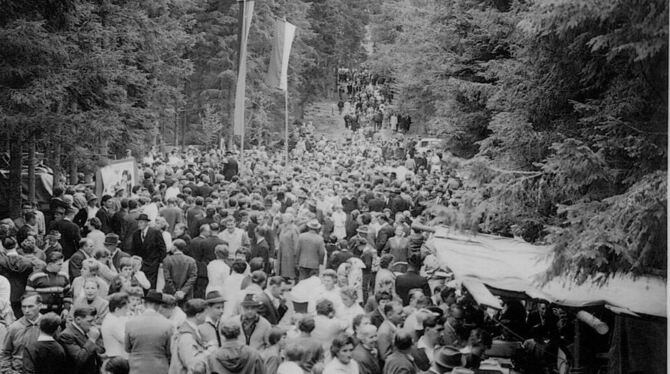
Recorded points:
(83, 81)
(554, 111)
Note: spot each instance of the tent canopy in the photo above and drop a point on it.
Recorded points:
(517, 266)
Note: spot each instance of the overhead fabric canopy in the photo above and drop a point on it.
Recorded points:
(517, 266)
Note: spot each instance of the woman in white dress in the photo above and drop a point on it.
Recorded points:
(339, 221)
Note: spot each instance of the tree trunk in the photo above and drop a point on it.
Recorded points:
(176, 127)
(73, 171)
(56, 166)
(15, 158)
(31, 168)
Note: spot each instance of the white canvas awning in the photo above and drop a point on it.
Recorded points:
(517, 266)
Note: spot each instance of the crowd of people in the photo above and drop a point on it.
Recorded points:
(365, 101)
(224, 263)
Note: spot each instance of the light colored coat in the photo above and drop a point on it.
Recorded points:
(288, 247)
(187, 350)
(148, 339)
(259, 337)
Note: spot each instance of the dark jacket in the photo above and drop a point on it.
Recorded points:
(180, 273)
(234, 357)
(75, 264)
(367, 362)
(105, 218)
(408, 281)
(152, 249)
(399, 363)
(16, 269)
(230, 169)
(376, 205)
(81, 353)
(45, 357)
(268, 310)
(70, 236)
(383, 235)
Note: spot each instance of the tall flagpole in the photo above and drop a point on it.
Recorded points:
(242, 29)
(286, 126)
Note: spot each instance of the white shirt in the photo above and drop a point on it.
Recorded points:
(172, 192)
(421, 343)
(113, 332)
(289, 367)
(151, 210)
(337, 367)
(339, 222)
(91, 211)
(347, 314)
(233, 239)
(217, 273)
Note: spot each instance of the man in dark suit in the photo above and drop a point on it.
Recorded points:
(400, 361)
(411, 279)
(365, 352)
(104, 214)
(180, 272)
(202, 251)
(193, 215)
(397, 203)
(130, 224)
(82, 343)
(46, 355)
(384, 233)
(85, 251)
(148, 243)
(230, 168)
(311, 250)
(69, 232)
(274, 306)
(376, 204)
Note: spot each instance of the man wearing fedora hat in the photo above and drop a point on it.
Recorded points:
(148, 337)
(111, 243)
(311, 250)
(210, 329)
(148, 243)
(446, 360)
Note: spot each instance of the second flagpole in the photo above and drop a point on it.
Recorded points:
(286, 135)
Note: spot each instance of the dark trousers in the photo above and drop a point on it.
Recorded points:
(151, 271)
(200, 287)
(307, 272)
(368, 283)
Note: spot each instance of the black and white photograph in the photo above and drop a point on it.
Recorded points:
(334, 186)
